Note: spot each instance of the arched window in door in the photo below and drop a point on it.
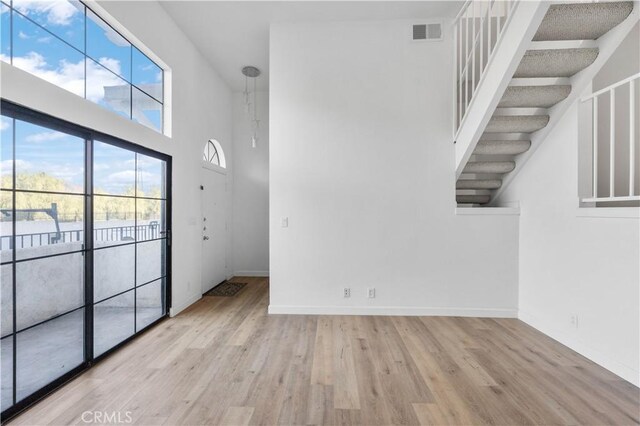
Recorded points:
(213, 153)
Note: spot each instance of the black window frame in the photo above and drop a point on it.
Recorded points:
(19, 112)
(87, 57)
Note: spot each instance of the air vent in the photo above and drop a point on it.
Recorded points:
(424, 32)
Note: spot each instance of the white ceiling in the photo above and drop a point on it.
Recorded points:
(232, 34)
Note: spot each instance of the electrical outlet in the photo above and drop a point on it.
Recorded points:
(371, 293)
(284, 222)
(346, 292)
(574, 320)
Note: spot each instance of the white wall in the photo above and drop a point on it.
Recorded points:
(251, 190)
(201, 110)
(575, 264)
(362, 164)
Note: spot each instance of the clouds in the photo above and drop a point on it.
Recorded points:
(126, 177)
(71, 174)
(59, 13)
(45, 137)
(5, 123)
(70, 75)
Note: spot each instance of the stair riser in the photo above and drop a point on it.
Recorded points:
(555, 63)
(501, 147)
(473, 199)
(478, 184)
(516, 124)
(533, 96)
(496, 167)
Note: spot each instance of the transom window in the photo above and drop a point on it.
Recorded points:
(65, 43)
(213, 153)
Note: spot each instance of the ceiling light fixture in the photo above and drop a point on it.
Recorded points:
(251, 72)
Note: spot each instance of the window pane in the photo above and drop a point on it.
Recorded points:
(107, 47)
(151, 223)
(114, 271)
(6, 152)
(151, 177)
(114, 170)
(150, 261)
(146, 110)
(6, 281)
(48, 160)
(5, 35)
(6, 371)
(147, 75)
(113, 220)
(62, 17)
(47, 351)
(149, 306)
(41, 54)
(48, 287)
(107, 89)
(48, 223)
(6, 226)
(113, 322)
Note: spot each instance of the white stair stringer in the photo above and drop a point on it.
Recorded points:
(607, 44)
(552, 71)
(518, 31)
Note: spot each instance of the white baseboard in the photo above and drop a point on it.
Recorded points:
(393, 310)
(176, 310)
(251, 274)
(624, 371)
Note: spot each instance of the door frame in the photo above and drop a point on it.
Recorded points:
(22, 113)
(222, 171)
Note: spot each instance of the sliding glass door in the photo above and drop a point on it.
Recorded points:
(83, 247)
(129, 244)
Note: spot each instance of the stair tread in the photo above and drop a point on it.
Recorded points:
(478, 183)
(534, 96)
(473, 199)
(555, 62)
(507, 147)
(489, 167)
(582, 21)
(516, 123)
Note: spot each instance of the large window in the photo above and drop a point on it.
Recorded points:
(83, 249)
(67, 44)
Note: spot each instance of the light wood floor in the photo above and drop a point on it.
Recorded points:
(225, 361)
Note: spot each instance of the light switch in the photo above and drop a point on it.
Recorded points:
(284, 222)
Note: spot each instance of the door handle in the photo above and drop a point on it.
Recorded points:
(205, 238)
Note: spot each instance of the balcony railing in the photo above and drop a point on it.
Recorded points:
(597, 99)
(478, 29)
(117, 233)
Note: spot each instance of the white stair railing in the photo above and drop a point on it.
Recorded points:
(478, 29)
(629, 84)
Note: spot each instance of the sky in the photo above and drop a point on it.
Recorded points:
(42, 150)
(47, 39)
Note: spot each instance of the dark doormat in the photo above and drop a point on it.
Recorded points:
(226, 289)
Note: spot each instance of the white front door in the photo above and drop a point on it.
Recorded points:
(214, 228)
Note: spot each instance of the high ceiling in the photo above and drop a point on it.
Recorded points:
(232, 34)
